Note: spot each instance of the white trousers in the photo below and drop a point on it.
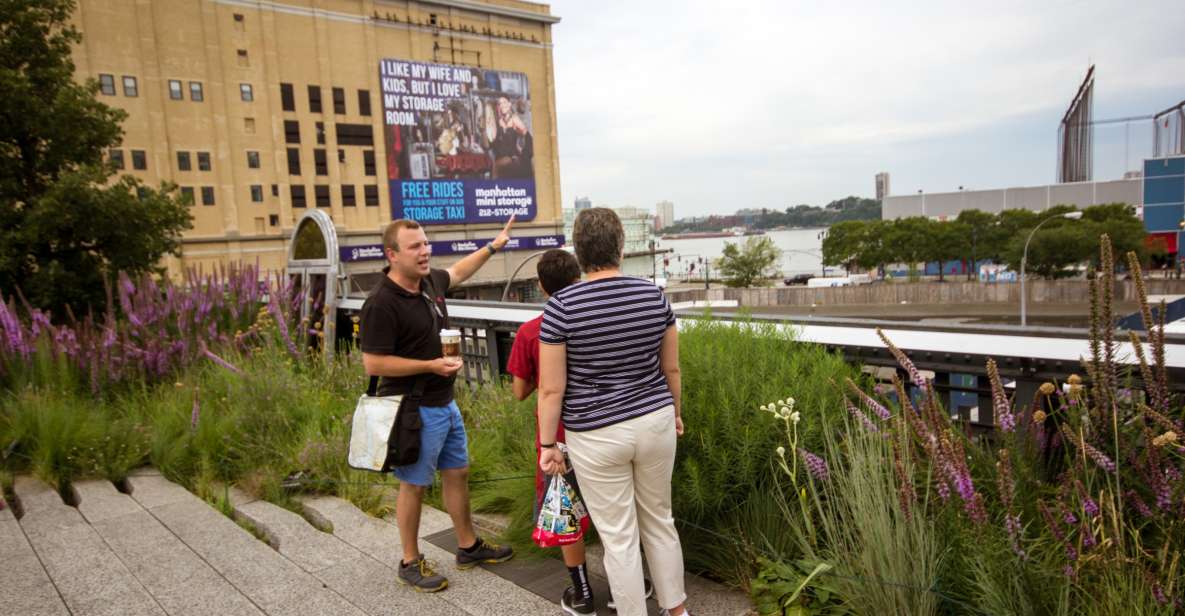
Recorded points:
(624, 472)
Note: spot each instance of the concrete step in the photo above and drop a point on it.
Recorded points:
(91, 579)
(477, 591)
(272, 582)
(173, 574)
(27, 587)
(367, 582)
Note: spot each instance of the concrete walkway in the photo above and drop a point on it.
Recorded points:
(160, 550)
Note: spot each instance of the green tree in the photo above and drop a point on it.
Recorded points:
(1119, 221)
(986, 238)
(1063, 243)
(944, 241)
(754, 263)
(66, 225)
(844, 243)
(904, 241)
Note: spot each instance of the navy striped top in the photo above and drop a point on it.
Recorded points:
(613, 328)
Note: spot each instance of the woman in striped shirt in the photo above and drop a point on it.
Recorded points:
(609, 366)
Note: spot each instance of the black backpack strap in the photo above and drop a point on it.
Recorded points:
(373, 387)
(431, 293)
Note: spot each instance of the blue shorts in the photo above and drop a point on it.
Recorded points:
(443, 445)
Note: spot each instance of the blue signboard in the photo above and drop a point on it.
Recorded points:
(374, 252)
(460, 148)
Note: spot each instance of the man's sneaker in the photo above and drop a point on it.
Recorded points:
(686, 612)
(484, 553)
(420, 576)
(575, 604)
(646, 585)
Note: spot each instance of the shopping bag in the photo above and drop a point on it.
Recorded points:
(563, 518)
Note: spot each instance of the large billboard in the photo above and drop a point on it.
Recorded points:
(459, 143)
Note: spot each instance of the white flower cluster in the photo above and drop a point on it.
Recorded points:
(782, 409)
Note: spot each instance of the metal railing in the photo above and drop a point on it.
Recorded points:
(955, 354)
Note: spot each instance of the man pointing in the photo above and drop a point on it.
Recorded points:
(401, 321)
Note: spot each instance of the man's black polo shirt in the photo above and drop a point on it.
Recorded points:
(397, 322)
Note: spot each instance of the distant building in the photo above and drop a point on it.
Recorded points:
(583, 203)
(638, 224)
(664, 214)
(1037, 198)
(882, 186)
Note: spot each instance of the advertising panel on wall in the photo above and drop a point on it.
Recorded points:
(372, 252)
(459, 143)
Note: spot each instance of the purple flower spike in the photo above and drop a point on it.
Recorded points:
(868, 425)
(816, 465)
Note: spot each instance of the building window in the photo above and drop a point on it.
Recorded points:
(320, 133)
(187, 195)
(354, 134)
(207, 195)
(370, 193)
(293, 161)
(107, 84)
(139, 160)
(319, 163)
(252, 159)
(321, 192)
(339, 101)
(298, 199)
(246, 93)
(348, 197)
(175, 90)
(315, 99)
(368, 161)
(275, 190)
(203, 161)
(239, 22)
(287, 99)
(115, 157)
(291, 131)
(242, 55)
(249, 126)
(257, 193)
(273, 220)
(364, 102)
(183, 163)
(341, 156)
(195, 91)
(129, 86)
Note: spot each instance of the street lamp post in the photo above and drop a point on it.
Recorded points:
(506, 289)
(1025, 258)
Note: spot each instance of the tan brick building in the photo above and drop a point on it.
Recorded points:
(262, 109)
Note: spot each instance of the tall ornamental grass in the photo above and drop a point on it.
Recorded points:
(1074, 506)
(215, 383)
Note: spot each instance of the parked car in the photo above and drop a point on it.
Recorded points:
(797, 279)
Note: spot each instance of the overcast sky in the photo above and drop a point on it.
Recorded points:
(718, 106)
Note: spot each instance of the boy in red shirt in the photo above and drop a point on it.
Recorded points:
(557, 269)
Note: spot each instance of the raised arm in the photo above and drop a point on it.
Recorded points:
(462, 270)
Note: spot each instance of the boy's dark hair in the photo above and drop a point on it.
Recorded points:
(557, 269)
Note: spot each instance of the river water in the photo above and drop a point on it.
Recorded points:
(801, 253)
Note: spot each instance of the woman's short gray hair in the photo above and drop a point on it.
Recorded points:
(599, 239)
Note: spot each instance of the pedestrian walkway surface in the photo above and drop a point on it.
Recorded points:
(155, 548)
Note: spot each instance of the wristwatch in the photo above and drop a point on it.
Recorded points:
(550, 446)
(490, 247)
